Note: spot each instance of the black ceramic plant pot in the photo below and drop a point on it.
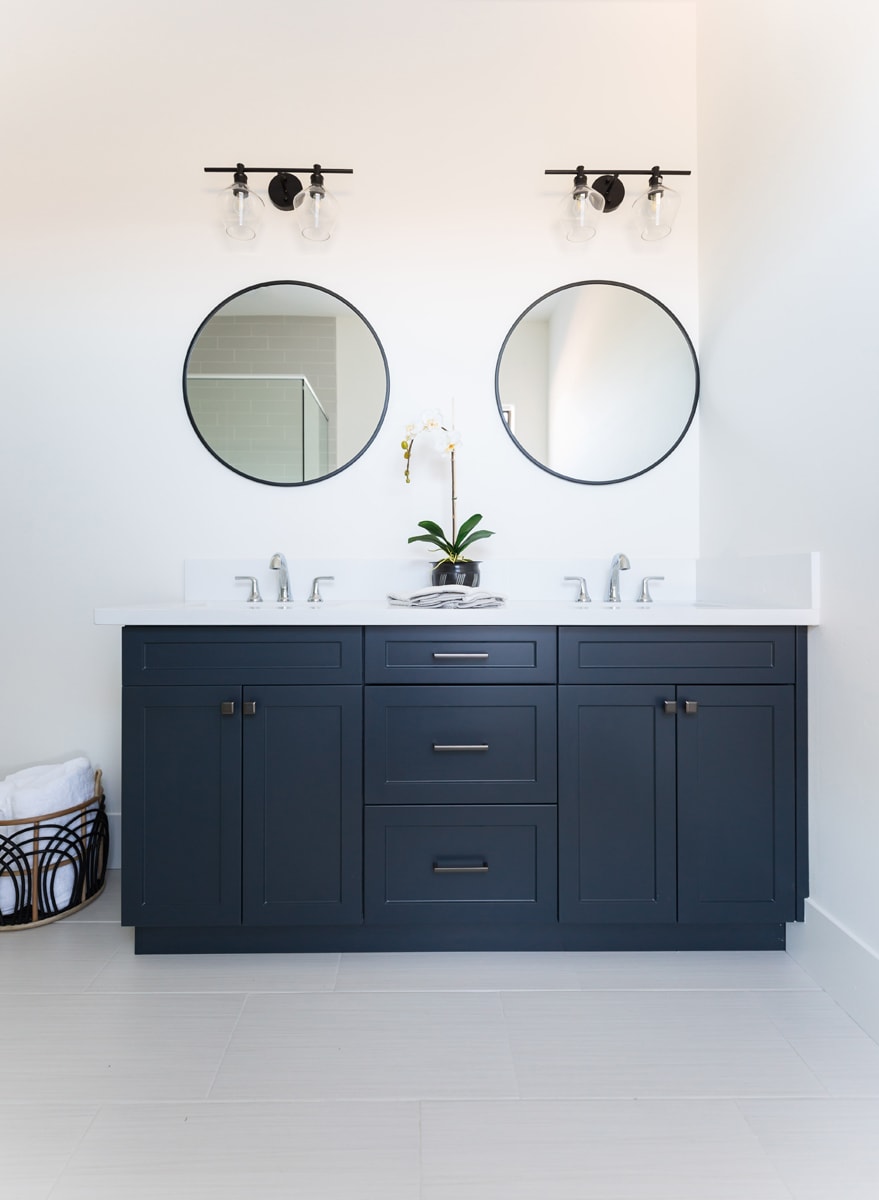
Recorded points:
(466, 573)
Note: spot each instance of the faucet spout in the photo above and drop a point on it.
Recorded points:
(619, 563)
(279, 564)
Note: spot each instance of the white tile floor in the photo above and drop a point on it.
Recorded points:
(423, 1076)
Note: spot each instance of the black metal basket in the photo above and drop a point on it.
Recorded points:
(53, 865)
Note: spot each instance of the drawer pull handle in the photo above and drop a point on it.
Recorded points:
(441, 654)
(249, 708)
(670, 706)
(463, 869)
(691, 707)
(479, 747)
(227, 708)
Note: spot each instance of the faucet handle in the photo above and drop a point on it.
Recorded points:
(254, 597)
(583, 596)
(645, 597)
(316, 597)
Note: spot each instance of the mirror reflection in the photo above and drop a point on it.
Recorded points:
(286, 383)
(597, 382)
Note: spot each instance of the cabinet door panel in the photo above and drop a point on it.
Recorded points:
(181, 828)
(303, 806)
(616, 805)
(736, 805)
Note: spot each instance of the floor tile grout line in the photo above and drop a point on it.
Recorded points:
(97, 1106)
(407, 991)
(709, 1098)
(222, 1057)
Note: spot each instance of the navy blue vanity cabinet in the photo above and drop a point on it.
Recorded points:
(242, 777)
(181, 797)
(682, 776)
(302, 850)
(460, 777)
(440, 787)
(617, 801)
(736, 804)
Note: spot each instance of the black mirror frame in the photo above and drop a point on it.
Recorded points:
(662, 457)
(327, 292)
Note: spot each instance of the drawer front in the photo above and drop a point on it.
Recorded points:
(279, 655)
(460, 745)
(438, 863)
(514, 654)
(755, 654)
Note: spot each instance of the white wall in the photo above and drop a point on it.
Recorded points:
(788, 95)
(449, 111)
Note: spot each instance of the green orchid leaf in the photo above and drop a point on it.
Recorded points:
(432, 527)
(453, 550)
(439, 542)
(468, 525)
(474, 537)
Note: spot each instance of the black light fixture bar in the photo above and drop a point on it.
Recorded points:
(595, 171)
(285, 170)
(608, 183)
(286, 192)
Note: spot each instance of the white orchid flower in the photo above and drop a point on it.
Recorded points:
(446, 441)
(432, 420)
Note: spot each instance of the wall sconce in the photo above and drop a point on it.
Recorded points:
(655, 209)
(242, 208)
(315, 208)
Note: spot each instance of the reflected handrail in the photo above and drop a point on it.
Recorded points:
(275, 336)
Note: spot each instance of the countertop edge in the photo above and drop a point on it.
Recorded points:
(304, 614)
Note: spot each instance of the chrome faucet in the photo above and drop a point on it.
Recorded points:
(619, 563)
(279, 564)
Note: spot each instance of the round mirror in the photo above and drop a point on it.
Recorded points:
(597, 382)
(286, 383)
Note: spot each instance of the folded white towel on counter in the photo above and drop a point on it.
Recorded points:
(448, 595)
(36, 791)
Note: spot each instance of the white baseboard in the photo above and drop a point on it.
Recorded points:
(839, 962)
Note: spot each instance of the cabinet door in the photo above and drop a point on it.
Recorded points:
(616, 805)
(181, 825)
(736, 804)
(303, 805)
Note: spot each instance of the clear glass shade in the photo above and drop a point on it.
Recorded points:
(656, 210)
(581, 208)
(242, 212)
(316, 211)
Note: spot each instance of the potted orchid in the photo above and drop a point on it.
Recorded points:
(454, 566)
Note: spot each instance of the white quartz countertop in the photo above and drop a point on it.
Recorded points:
(767, 590)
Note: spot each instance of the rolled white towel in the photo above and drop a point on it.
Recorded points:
(14, 893)
(54, 849)
(35, 791)
(5, 801)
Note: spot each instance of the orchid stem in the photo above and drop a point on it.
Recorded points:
(454, 502)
